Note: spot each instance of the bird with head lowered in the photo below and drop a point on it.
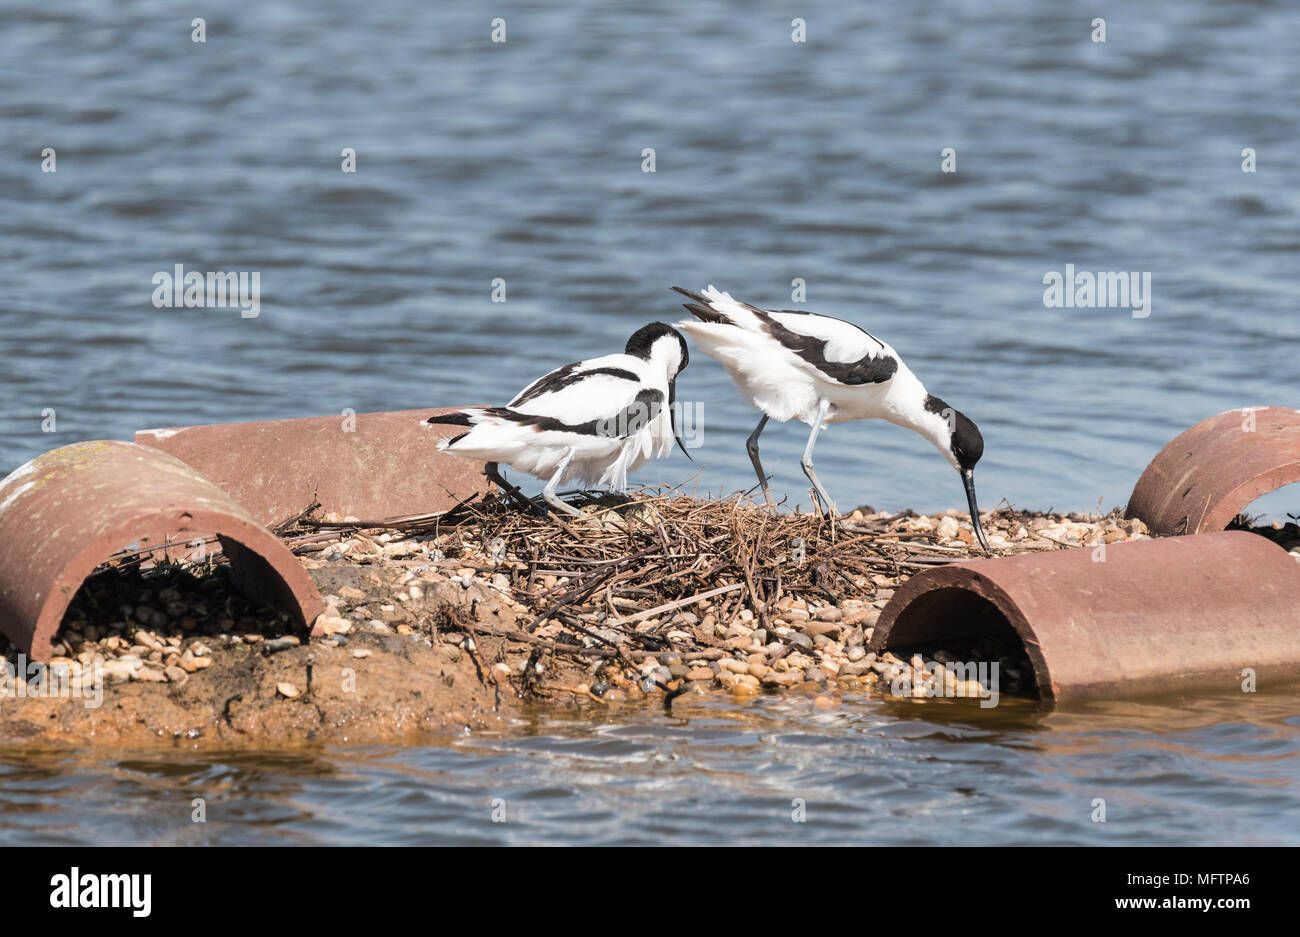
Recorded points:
(792, 364)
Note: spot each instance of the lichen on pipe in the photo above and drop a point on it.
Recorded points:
(65, 512)
(1148, 616)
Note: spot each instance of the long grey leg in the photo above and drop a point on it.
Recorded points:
(751, 444)
(822, 409)
(549, 491)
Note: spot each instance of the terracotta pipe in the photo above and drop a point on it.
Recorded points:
(65, 512)
(1146, 616)
(1209, 474)
(365, 465)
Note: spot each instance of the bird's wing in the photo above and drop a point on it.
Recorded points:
(836, 350)
(579, 373)
(601, 396)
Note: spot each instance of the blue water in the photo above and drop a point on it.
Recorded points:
(775, 160)
(713, 773)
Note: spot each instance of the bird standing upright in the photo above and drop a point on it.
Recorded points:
(595, 420)
(819, 369)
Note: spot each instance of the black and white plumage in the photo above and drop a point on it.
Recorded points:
(799, 365)
(594, 420)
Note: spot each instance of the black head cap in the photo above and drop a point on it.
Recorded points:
(643, 339)
(966, 442)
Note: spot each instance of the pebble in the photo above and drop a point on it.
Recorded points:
(288, 690)
(745, 684)
(815, 629)
(332, 624)
(799, 661)
(119, 671)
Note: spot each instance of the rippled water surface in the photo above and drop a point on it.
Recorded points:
(1217, 770)
(775, 160)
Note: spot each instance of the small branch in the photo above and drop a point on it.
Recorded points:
(680, 603)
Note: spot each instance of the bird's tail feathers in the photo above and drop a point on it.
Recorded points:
(701, 308)
(718, 308)
(457, 418)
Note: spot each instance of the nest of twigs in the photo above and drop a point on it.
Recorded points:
(657, 572)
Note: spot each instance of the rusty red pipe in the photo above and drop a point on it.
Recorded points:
(65, 512)
(1207, 475)
(1146, 616)
(365, 465)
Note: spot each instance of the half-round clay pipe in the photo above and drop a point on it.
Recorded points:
(1210, 473)
(1146, 616)
(66, 511)
(367, 465)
